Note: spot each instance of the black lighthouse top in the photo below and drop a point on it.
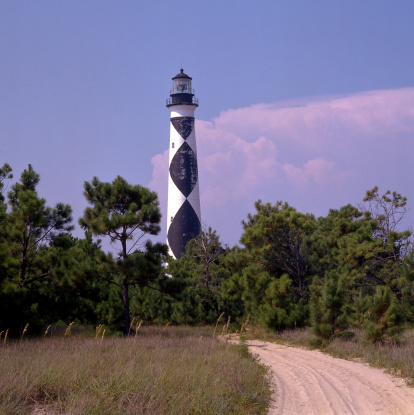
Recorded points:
(182, 94)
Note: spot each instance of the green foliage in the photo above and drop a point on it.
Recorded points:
(202, 272)
(167, 301)
(5, 174)
(366, 250)
(276, 236)
(329, 306)
(392, 246)
(325, 243)
(278, 310)
(205, 252)
(30, 250)
(267, 299)
(271, 275)
(125, 213)
(121, 211)
(31, 225)
(405, 285)
(384, 318)
(354, 266)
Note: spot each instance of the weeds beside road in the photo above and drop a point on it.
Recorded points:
(176, 371)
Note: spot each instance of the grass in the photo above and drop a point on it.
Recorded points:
(397, 359)
(178, 370)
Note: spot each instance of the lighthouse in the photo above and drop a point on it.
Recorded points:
(184, 219)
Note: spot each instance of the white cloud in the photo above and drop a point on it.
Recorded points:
(316, 154)
(370, 112)
(314, 171)
(232, 166)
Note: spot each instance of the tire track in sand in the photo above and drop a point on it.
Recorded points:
(310, 382)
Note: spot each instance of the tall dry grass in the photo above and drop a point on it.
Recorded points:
(172, 370)
(396, 358)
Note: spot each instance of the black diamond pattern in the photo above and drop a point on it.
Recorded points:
(183, 125)
(184, 227)
(183, 169)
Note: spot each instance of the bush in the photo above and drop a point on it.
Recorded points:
(384, 318)
(329, 307)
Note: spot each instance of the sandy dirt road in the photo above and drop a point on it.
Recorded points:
(310, 382)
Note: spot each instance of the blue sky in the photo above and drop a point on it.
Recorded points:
(310, 102)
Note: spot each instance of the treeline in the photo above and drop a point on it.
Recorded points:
(352, 268)
(48, 276)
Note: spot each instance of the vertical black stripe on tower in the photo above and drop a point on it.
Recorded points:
(183, 125)
(184, 227)
(184, 170)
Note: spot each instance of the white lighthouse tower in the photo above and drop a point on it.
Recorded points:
(184, 219)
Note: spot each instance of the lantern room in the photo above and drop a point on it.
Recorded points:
(181, 83)
(182, 93)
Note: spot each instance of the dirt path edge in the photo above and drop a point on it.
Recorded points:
(311, 382)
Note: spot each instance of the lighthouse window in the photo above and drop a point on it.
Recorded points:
(182, 86)
(172, 218)
(172, 145)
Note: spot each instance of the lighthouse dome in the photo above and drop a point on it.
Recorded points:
(182, 75)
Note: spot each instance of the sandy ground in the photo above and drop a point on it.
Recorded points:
(310, 382)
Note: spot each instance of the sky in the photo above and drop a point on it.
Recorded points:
(305, 101)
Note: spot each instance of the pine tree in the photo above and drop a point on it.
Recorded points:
(384, 318)
(33, 254)
(126, 213)
(329, 314)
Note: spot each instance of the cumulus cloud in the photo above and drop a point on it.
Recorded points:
(316, 154)
(232, 166)
(370, 113)
(316, 171)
